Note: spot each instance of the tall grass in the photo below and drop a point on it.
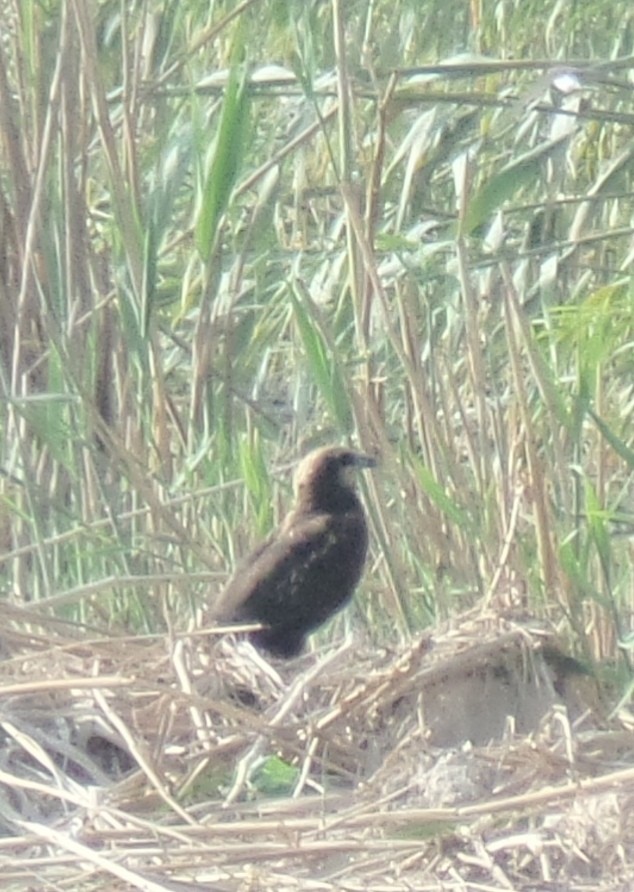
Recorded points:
(231, 233)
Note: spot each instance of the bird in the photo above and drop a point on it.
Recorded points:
(308, 568)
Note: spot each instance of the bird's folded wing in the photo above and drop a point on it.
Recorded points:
(278, 557)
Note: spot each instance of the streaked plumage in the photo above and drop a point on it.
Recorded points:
(308, 568)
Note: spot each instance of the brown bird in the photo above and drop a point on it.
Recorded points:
(308, 568)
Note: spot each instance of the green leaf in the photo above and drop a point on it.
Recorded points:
(506, 183)
(224, 161)
(256, 478)
(597, 519)
(322, 362)
(440, 498)
(274, 777)
(47, 418)
(615, 441)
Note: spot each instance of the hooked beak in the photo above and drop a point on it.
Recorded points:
(363, 460)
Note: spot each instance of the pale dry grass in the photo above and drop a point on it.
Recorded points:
(138, 763)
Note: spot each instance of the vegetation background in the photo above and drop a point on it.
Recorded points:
(233, 231)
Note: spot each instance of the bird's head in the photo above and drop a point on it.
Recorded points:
(325, 479)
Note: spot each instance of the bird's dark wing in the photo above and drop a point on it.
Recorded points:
(296, 579)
